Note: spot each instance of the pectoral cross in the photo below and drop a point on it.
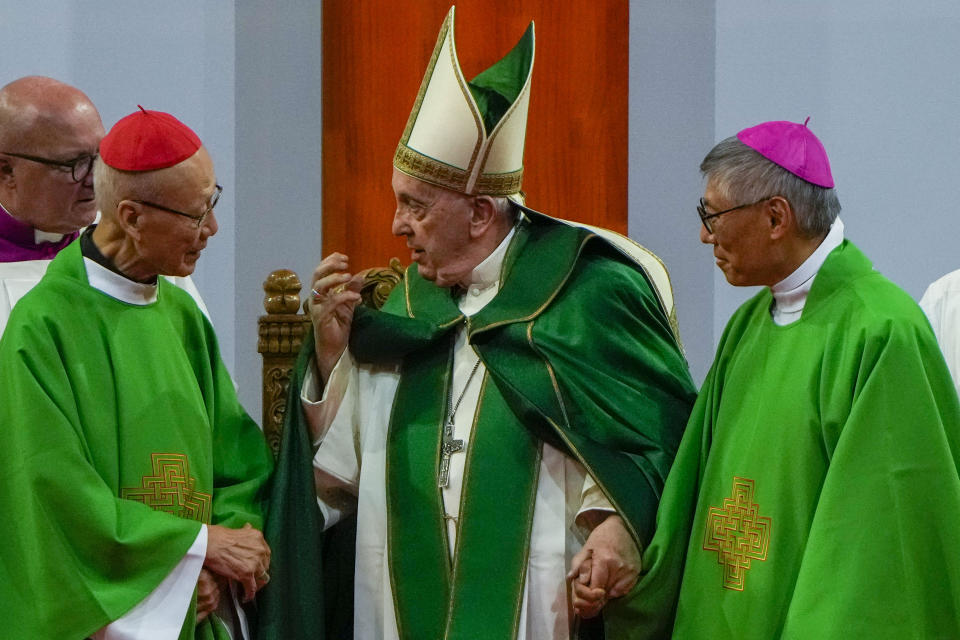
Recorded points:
(448, 447)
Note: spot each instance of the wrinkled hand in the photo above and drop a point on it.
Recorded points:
(238, 554)
(208, 595)
(607, 567)
(335, 294)
(587, 601)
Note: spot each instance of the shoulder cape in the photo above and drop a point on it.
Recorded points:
(618, 401)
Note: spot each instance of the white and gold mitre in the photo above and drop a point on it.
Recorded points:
(468, 136)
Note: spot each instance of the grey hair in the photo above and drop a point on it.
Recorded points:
(742, 176)
(505, 207)
(110, 186)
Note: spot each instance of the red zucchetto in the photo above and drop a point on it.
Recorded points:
(148, 140)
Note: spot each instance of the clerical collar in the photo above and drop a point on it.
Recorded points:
(19, 241)
(103, 275)
(790, 294)
(484, 281)
(487, 273)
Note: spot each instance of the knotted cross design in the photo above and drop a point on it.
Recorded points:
(171, 489)
(738, 534)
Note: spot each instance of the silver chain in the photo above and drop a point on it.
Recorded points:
(466, 386)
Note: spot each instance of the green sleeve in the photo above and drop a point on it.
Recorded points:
(886, 530)
(75, 556)
(626, 387)
(242, 462)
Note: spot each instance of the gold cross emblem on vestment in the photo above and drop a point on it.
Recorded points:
(737, 533)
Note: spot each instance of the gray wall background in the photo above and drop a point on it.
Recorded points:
(878, 78)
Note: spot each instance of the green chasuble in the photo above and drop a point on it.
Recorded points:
(580, 354)
(816, 491)
(121, 434)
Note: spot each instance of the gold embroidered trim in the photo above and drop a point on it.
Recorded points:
(424, 168)
(499, 184)
(737, 533)
(429, 170)
(170, 489)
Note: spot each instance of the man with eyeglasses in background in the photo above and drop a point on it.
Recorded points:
(49, 136)
(128, 469)
(815, 493)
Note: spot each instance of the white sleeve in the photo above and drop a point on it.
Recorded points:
(160, 615)
(333, 419)
(321, 406)
(941, 303)
(16, 278)
(594, 505)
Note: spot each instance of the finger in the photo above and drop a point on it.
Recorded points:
(623, 585)
(576, 563)
(202, 615)
(588, 601)
(600, 572)
(343, 300)
(355, 283)
(588, 610)
(249, 588)
(333, 262)
(588, 594)
(330, 283)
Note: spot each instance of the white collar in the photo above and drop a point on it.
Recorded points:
(485, 279)
(487, 273)
(119, 287)
(40, 237)
(790, 294)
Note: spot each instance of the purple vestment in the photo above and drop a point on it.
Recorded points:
(18, 241)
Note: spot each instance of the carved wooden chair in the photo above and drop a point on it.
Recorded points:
(283, 328)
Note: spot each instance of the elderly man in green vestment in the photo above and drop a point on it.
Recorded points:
(132, 480)
(504, 425)
(816, 490)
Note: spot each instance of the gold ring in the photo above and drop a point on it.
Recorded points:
(264, 577)
(340, 289)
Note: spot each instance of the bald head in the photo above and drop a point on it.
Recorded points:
(36, 109)
(47, 119)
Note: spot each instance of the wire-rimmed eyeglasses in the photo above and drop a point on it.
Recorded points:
(198, 219)
(706, 217)
(80, 167)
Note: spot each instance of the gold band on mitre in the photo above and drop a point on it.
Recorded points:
(446, 142)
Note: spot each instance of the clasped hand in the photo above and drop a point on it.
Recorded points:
(607, 567)
(238, 554)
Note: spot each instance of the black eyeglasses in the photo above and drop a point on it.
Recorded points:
(198, 219)
(705, 217)
(80, 167)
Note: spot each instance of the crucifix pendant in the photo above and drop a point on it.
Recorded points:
(448, 447)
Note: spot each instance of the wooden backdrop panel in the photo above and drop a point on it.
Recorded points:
(374, 57)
